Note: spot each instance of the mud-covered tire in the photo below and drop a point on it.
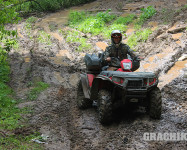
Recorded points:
(155, 103)
(105, 106)
(82, 102)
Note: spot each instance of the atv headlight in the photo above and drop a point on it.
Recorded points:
(127, 66)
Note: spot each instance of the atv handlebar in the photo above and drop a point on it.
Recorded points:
(115, 62)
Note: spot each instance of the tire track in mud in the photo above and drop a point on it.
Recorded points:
(56, 112)
(68, 127)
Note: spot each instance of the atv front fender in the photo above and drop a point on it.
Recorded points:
(85, 85)
(96, 85)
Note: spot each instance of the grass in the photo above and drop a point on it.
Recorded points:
(40, 86)
(44, 38)
(15, 142)
(31, 20)
(103, 23)
(139, 36)
(125, 20)
(11, 116)
(146, 14)
(28, 26)
(94, 24)
(75, 17)
(74, 37)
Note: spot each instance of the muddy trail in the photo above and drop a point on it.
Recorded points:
(55, 111)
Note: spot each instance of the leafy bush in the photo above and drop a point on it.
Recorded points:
(146, 14)
(75, 37)
(91, 25)
(53, 5)
(125, 20)
(44, 38)
(76, 17)
(105, 16)
(139, 36)
(31, 20)
(46, 5)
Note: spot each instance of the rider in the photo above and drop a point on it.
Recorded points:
(116, 49)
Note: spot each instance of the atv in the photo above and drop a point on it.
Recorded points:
(109, 90)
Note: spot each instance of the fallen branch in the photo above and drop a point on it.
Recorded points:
(177, 29)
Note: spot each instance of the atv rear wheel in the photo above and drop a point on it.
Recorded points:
(82, 102)
(105, 106)
(155, 103)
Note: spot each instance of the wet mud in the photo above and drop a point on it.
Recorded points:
(56, 114)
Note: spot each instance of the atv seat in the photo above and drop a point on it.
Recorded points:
(93, 63)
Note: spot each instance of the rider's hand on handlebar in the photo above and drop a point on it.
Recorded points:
(108, 59)
(139, 58)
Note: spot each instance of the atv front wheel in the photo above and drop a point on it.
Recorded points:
(155, 103)
(104, 106)
(82, 102)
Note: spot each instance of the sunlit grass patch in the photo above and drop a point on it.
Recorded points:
(146, 14)
(105, 16)
(94, 24)
(31, 20)
(125, 20)
(138, 36)
(91, 25)
(75, 17)
(28, 26)
(75, 37)
(44, 38)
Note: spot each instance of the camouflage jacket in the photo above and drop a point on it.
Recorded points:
(120, 53)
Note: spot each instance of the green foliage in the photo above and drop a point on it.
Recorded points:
(105, 16)
(89, 23)
(139, 36)
(125, 20)
(28, 26)
(7, 15)
(146, 14)
(40, 86)
(76, 17)
(31, 20)
(7, 39)
(75, 37)
(109, 29)
(15, 142)
(53, 5)
(44, 38)
(47, 5)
